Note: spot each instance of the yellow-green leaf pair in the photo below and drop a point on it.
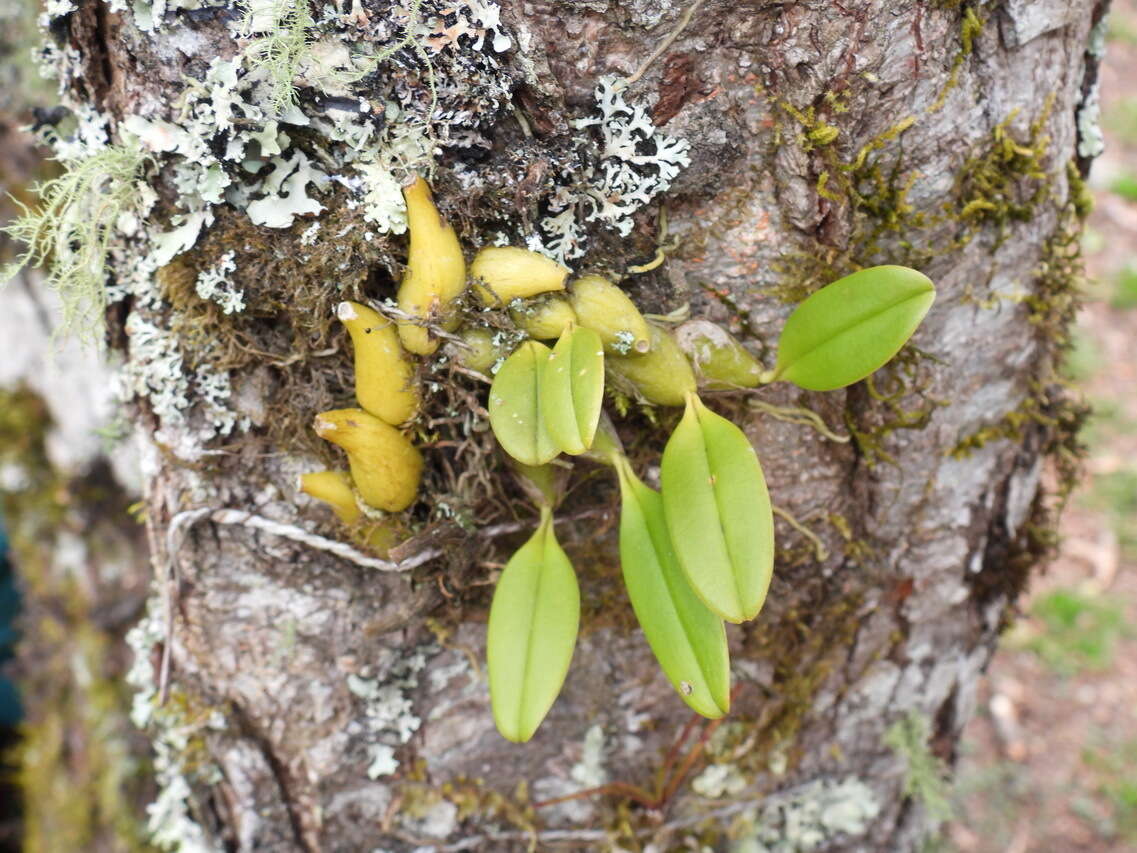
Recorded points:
(532, 631)
(718, 512)
(544, 402)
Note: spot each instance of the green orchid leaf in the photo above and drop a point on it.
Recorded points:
(848, 329)
(515, 406)
(572, 389)
(532, 632)
(718, 512)
(688, 640)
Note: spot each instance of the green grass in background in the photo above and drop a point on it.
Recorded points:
(1115, 494)
(1125, 185)
(1121, 31)
(1113, 770)
(1120, 120)
(1084, 358)
(1078, 631)
(1124, 294)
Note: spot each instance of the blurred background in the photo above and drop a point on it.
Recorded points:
(1050, 762)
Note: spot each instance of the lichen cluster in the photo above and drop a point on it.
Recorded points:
(281, 165)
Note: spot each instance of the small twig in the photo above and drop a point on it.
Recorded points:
(397, 314)
(663, 46)
(296, 534)
(473, 374)
(818, 547)
(689, 760)
(666, 787)
(525, 129)
(673, 752)
(180, 525)
(170, 587)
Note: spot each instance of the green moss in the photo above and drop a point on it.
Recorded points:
(815, 131)
(1045, 406)
(1080, 193)
(805, 644)
(473, 799)
(969, 29)
(925, 777)
(871, 426)
(1006, 182)
(971, 25)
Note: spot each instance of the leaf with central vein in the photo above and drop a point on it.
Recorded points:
(515, 406)
(848, 329)
(688, 640)
(718, 512)
(572, 389)
(531, 634)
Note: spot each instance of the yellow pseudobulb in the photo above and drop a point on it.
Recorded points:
(480, 352)
(720, 359)
(607, 310)
(384, 376)
(662, 375)
(544, 319)
(334, 489)
(509, 272)
(382, 535)
(436, 270)
(385, 466)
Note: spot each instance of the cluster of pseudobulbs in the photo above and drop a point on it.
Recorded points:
(694, 554)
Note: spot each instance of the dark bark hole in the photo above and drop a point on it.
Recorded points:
(380, 284)
(944, 734)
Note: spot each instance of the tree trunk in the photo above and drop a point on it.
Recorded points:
(309, 700)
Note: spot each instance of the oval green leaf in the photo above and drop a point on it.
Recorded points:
(532, 632)
(572, 389)
(848, 329)
(718, 512)
(688, 640)
(515, 406)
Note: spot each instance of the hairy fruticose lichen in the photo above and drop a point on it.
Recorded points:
(282, 30)
(71, 232)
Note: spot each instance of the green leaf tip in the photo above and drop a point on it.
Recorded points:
(531, 634)
(515, 406)
(688, 640)
(718, 512)
(850, 328)
(572, 389)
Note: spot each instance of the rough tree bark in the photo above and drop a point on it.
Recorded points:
(318, 704)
